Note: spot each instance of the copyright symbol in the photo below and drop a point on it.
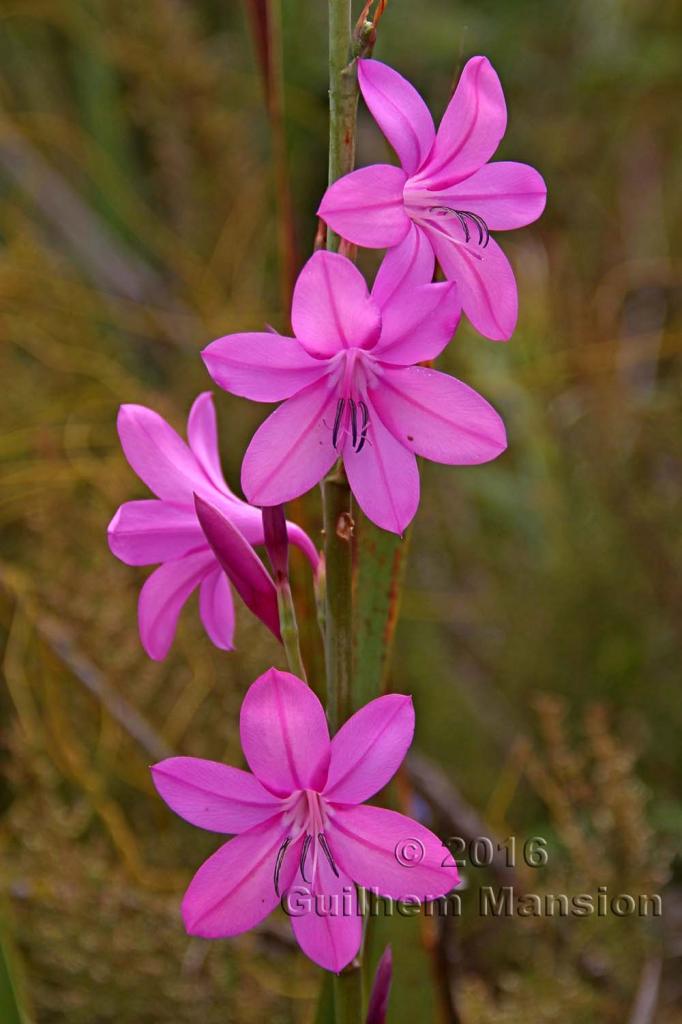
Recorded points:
(409, 852)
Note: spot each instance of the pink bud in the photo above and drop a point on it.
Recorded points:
(378, 1000)
(240, 562)
(276, 541)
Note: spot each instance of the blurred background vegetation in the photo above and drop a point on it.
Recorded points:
(541, 624)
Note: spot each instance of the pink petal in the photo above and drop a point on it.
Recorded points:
(399, 111)
(276, 540)
(284, 734)
(216, 609)
(249, 522)
(294, 535)
(213, 796)
(162, 597)
(386, 850)
(300, 539)
(262, 367)
(202, 434)
(237, 558)
(471, 129)
(325, 917)
(418, 323)
(293, 449)
(406, 265)
(369, 748)
(439, 417)
(234, 889)
(245, 518)
(505, 195)
(486, 284)
(150, 531)
(332, 310)
(366, 207)
(384, 478)
(159, 456)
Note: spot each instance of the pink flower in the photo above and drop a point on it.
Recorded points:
(167, 530)
(445, 191)
(351, 389)
(302, 833)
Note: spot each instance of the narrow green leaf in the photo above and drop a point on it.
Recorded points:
(380, 567)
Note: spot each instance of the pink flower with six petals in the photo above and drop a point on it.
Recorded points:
(167, 530)
(351, 389)
(302, 832)
(445, 190)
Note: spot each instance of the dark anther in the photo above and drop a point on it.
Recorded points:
(465, 227)
(353, 421)
(337, 422)
(304, 853)
(483, 232)
(364, 426)
(280, 860)
(463, 216)
(327, 852)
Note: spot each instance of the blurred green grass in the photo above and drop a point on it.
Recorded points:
(137, 222)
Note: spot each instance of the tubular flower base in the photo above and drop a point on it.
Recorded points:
(167, 530)
(445, 191)
(351, 388)
(302, 834)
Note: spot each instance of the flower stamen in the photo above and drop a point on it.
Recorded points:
(279, 861)
(304, 853)
(337, 422)
(364, 426)
(353, 422)
(463, 216)
(327, 852)
(358, 426)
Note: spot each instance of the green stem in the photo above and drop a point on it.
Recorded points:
(338, 526)
(288, 626)
(338, 523)
(343, 97)
(348, 994)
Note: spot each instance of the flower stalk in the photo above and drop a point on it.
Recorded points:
(338, 616)
(343, 98)
(336, 495)
(348, 997)
(277, 547)
(288, 626)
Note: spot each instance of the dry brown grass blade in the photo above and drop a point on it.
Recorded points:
(258, 13)
(60, 641)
